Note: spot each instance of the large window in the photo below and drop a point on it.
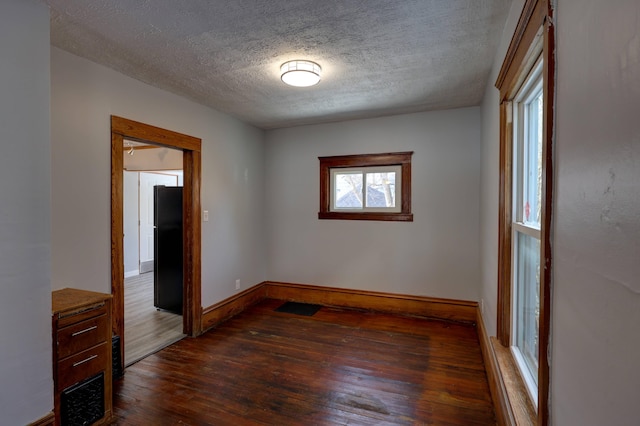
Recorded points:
(525, 227)
(526, 84)
(366, 187)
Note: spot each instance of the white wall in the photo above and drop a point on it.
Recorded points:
(131, 194)
(595, 379)
(153, 159)
(130, 216)
(490, 183)
(436, 255)
(26, 391)
(83, 96)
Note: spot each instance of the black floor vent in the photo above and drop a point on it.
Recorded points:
(83, 403)
(116, 359)
(297, 308)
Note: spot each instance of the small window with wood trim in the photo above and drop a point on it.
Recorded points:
(366, 187)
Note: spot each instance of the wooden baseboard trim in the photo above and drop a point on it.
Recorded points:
(47, 420)
(504, 414)
(428, 307)
(222, 311)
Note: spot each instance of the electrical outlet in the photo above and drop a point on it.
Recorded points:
(237, 284)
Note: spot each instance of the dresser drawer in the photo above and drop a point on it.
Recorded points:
(85, 364)
(81, 314)
(81, 336)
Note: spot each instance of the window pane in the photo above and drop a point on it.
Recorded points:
(381, 189)
(527, 290)
(348, 190)
(532, 162)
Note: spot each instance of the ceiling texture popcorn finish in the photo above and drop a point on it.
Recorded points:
(379, 57)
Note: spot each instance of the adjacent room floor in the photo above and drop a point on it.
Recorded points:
(337, 366)
(146, 329)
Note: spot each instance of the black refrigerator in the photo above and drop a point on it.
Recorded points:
(167, 250)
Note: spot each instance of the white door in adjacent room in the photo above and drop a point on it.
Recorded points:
(147, 182)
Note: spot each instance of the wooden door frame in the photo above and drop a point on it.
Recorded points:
(122, 128)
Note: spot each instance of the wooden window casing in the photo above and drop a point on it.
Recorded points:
(533, 37)
(402, 159)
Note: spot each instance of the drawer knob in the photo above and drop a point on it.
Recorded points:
(75, 364)
(77, 333)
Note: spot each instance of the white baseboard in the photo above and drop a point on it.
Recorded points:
(130, 274)
(146, 266)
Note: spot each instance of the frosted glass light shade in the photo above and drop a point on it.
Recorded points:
(300, 73)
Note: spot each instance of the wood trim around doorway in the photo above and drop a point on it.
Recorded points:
(122, 128)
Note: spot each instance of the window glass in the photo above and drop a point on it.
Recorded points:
(381, 189)
(348, 190)
(365, 189)
(527, 202)
(532, 162)
(527, 301)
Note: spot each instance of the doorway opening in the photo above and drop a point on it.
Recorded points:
(123, 131)
(153, 270)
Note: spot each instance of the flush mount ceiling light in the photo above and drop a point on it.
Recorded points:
(300, 73)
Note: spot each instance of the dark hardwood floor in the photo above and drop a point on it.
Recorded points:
(337, 367)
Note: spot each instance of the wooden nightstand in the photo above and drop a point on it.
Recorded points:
(81, 356)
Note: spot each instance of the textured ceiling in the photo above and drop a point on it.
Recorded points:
(379, 57)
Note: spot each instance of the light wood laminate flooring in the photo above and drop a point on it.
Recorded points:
(146, 330)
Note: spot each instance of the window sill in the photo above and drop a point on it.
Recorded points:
(392, 217)
(517, 394)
